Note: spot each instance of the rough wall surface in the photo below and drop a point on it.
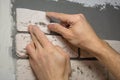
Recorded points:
(81, 69)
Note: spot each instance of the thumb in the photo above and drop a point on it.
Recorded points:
(58, 29)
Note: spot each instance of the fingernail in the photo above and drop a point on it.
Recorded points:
(51, 25)
(29, 27)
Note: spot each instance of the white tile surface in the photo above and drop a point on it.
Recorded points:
(26, 17)
(23, 39)
(114, 44)
(81, 70)
(23, 70)
(88, 70)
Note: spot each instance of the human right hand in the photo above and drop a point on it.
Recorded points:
(76, 29)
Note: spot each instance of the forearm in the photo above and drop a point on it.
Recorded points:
(109, 57)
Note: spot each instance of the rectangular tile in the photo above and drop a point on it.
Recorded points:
(26, 17)
(23, 70)
(115, 44)
(88, 70)
(23, 39)
(81, 70)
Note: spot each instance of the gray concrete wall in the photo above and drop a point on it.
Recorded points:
(106, 22)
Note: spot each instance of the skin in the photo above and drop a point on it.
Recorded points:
(75, 29)
(48, 62)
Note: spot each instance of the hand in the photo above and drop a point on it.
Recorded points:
(48, 62)
(76, 30)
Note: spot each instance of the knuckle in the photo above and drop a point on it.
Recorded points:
(68, 36)
(28, 46)
(82, 15)
(77, 17)
(55, 26)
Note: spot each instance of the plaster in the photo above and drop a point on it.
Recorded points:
(96, 3)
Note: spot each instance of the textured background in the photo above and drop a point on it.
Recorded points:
(106, 23)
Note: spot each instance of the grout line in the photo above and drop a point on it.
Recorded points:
(51, 33)
(26, 32)
(83, 59)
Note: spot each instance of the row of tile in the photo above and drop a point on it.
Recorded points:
(26, 17)
(81, 70)
(22, 39)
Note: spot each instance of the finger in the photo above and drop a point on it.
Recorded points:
(32, 64)
(41, 37)
(30, 50)
(59, 29)
(32, 45)
(68, 65)
(35, 41)
(60, 16)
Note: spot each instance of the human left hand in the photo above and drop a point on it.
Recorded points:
(48, 62)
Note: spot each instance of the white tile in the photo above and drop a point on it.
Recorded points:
(88, 70)
(23, 39)
(81, 70)
(26, 17)
(114, 44)
(23, 70)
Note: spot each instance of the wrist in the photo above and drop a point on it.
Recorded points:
(99, 48)
(95, 47)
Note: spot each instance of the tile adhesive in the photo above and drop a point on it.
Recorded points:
(96, 3)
